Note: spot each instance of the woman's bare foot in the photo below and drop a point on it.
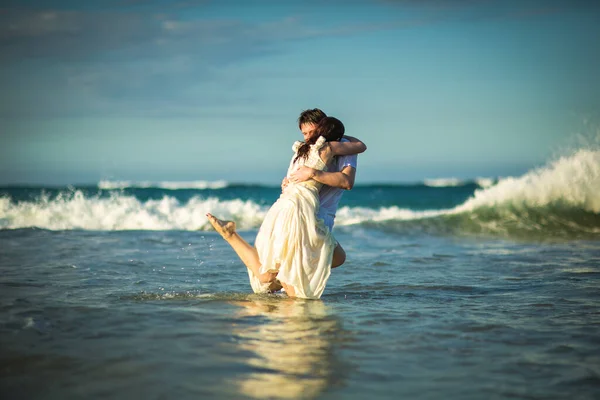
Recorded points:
(225, 228)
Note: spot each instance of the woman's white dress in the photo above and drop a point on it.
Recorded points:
(292, 240)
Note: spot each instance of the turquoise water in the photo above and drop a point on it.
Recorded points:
(451, 290)
(162, 314)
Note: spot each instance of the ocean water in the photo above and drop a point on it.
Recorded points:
(452, 289)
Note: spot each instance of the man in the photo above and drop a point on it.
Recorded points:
(341, 176)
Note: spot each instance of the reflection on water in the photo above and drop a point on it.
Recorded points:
(292, 347)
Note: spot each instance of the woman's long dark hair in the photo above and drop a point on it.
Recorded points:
(330, 128)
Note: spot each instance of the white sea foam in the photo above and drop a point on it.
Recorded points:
(121, 212)
(443, 182)
(484, 182)
(571, 182)
(169, 185)
(356, 215)
(454, 182)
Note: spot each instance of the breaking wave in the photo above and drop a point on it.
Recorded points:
(455, 182)
(168, 185)
(559, 199)
(73, 210)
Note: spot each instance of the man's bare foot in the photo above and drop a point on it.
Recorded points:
(289, 290)
(275, 286)
(225, 228)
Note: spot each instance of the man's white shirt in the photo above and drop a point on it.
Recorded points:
(330, 196)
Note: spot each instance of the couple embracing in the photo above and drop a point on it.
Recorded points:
(295, 249)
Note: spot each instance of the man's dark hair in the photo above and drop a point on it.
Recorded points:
(313, 116)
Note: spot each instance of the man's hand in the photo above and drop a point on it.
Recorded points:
(284, 183)
(302, 174)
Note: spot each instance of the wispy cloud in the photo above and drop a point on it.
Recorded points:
(443, 4)
(70, 35)
(142, 56)
(76, 34)
(107, 62)
(492, 9)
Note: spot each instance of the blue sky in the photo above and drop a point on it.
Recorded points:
(208, 90)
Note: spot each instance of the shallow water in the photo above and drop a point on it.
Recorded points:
(164, 314)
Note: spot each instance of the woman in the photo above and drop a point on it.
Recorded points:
(294, 247)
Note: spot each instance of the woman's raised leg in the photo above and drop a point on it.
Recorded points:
(243, 249)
